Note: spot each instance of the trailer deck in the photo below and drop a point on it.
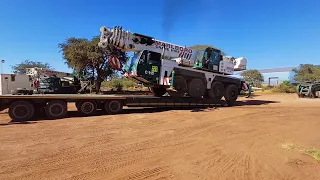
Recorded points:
(22, 107)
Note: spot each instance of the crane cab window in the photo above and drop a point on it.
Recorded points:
(215, 58)
(149, 57)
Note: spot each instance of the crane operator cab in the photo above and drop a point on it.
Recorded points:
(208, 59)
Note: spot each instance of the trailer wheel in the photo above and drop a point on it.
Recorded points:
(87, 107)
(56, 109)
(113, 106)
(196, 88)
(21, 111)
(231, 94)
(216, 91)
(158, 92)
(180, 85)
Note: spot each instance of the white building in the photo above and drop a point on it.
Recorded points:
(12, 82)
(275, 76)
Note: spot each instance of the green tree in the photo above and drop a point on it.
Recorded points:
(253, 76)
(203, 46)
(20, 68)
(86, 57)
(307, 72)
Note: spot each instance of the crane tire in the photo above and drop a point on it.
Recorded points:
(20, 111)
(113, 106)
(56, 109)
(180, 85)
(231, 94)
(87, 107)
(217, 90)
(158, 92)
(196, 88)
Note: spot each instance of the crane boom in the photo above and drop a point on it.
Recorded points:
(43, 72)
(134, 42)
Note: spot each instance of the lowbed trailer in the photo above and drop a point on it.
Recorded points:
(23, 107)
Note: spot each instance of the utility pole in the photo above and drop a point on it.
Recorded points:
(2, 61)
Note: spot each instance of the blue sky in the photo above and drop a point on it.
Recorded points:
(269, 33)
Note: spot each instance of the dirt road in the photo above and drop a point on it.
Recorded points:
(244, 142)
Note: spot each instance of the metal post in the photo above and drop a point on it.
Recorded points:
(2, 61)
(171, 88)
(172, 78)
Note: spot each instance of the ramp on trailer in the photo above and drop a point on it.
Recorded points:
(22, 107)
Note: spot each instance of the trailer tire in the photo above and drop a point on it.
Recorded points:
(180, 85)
(217, 90)
(113, 106)
(87, 107)
(196, 88)
(158, 92)
(56, 109)
(231, 94)
(21, 111)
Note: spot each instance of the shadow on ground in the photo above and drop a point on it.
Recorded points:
(253, 102)
(40, 116)
(16, 123)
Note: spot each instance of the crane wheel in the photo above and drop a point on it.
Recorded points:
(196, 88)
(113, 106)
(56, 109)
(180, 86)
(217, 90)
(231, 94)
(158, 92)
(87, 107)
(21, 111)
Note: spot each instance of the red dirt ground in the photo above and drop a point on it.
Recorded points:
(242, 142)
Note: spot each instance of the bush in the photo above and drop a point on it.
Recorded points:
(127, 83)
(119, 84)
(284, 87)
(266, 87)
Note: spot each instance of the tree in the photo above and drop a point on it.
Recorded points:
(86, 57)
(307, 72)
(21, 67)
(203, 46)
(253, 76)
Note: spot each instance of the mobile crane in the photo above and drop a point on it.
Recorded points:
(173, 69)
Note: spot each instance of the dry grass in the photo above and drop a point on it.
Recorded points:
(311, 152)
(314, 153)
(288, 146)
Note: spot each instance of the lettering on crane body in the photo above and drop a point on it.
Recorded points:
(183, 52)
